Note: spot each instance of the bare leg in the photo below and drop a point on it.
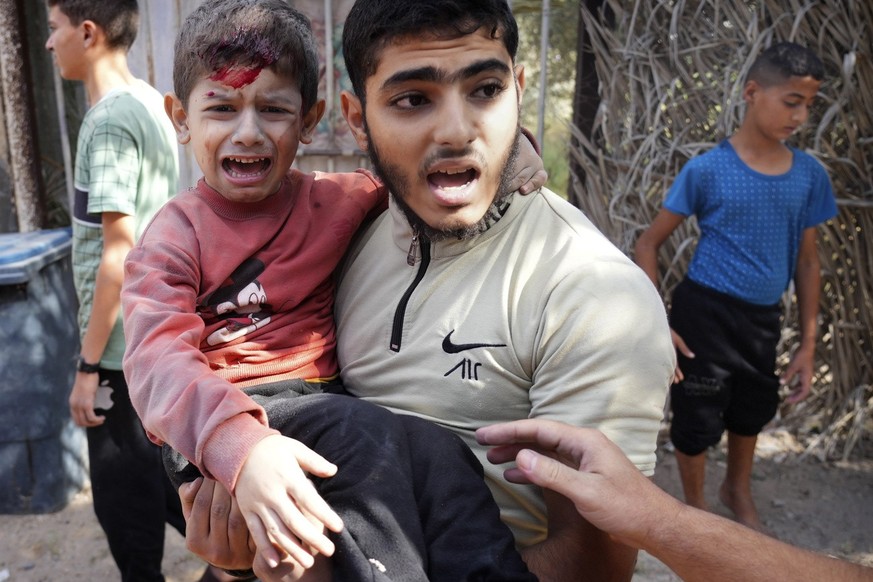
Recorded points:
(692, 471)
(736, 490)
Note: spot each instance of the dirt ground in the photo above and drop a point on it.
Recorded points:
(821, 506)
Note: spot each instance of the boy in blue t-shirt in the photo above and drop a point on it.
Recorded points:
(757, 203)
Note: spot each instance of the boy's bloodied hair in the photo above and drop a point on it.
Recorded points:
(231, 41)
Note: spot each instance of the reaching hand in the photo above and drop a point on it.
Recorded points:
(584, 466)
(683, 349)
(281, 507)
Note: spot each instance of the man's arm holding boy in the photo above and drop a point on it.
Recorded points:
(603, 358)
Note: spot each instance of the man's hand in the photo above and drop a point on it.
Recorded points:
(683, 349)
(281, 507)
(798, 375)
(82, 400)
(584, 466)
(215, 529)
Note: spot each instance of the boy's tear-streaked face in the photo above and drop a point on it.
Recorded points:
(245, 137)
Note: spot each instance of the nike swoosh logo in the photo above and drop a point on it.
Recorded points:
(452, 348)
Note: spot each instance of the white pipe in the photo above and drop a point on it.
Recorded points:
(329, 72)
(544, 69)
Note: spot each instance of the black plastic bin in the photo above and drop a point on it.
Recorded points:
(43, 455)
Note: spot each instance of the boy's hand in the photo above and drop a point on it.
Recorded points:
(280, 504)
(530, 174)
(82, 400)
(798, 375)
(683, 349)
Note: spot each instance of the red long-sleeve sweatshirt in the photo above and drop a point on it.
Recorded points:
(220, 294)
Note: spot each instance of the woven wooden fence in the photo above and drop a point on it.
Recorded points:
(671, 73)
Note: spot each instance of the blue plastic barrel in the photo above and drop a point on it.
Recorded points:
(43, 455)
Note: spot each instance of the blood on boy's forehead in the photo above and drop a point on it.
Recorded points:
(239, 60)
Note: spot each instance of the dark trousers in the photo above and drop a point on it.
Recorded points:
(731, 383)
(411, 494)
(133, 498)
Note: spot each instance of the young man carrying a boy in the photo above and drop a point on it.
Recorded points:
(757, 202)
(228, 301)
(467, 304)
(126, 168)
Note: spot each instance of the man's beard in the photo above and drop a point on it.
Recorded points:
(397, 184)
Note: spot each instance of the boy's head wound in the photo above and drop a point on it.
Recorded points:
(231, 41)
(119, 19)
(373, 24)
(784, 60)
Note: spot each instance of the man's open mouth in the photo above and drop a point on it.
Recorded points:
(453, 179)
(246, 168)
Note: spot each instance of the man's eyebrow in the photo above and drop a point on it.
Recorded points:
(433, 74)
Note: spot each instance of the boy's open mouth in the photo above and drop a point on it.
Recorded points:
(246, 168)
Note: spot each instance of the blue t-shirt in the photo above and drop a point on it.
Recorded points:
(751, 224)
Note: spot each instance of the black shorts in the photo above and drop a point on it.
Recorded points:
(731, 382)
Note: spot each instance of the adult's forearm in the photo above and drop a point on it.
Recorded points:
(702, 547)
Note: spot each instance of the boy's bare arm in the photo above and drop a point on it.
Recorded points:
(280, 504)
(646, 256)
(807, 282)
(118, 239)
(646, 249)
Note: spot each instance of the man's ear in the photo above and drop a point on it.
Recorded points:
(176, 112)
(310, 121)
(353, 111)
(520, 81)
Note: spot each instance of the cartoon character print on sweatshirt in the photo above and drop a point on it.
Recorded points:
(241, 303)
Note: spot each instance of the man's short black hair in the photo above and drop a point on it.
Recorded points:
(784, 60)
(373, 24)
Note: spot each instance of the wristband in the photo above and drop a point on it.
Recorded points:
(85, 367)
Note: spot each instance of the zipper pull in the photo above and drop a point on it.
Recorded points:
(413, 249)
